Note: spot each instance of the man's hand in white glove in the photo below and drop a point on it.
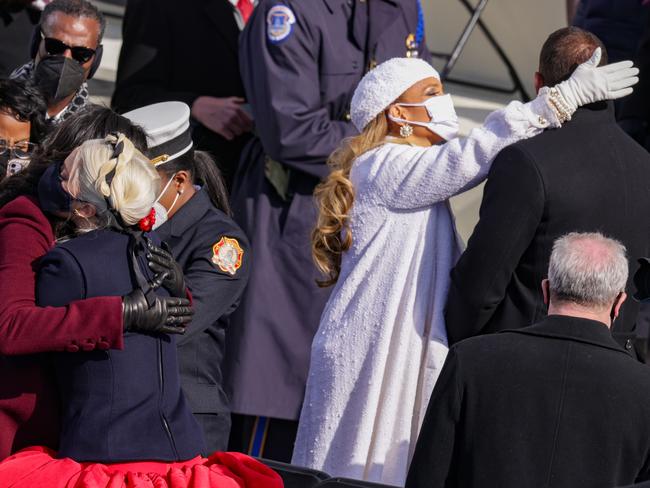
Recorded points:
(591, 83)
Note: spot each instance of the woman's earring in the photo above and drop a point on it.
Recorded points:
(406, 130)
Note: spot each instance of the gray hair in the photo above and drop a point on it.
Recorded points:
(588, 269)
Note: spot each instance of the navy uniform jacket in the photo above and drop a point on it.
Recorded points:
(192, 233)
(116, 405)
(300, 62)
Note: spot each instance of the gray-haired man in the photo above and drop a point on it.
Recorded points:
(558, 404)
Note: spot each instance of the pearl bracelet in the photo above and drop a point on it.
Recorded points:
(560, 106)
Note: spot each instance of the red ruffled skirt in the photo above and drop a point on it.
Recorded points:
(38, 467)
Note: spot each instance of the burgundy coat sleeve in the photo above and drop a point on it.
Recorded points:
(25, 236)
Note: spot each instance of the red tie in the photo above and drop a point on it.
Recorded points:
(245, 7)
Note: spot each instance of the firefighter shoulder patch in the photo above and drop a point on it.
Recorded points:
(227, 255)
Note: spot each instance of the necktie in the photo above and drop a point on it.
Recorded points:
(245, 7)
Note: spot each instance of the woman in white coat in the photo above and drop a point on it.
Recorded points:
(386, 240)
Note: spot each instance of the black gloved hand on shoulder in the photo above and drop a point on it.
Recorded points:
(162, 263)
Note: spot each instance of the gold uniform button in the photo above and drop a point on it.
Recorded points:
(347, 117)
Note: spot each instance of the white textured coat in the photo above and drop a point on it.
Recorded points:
(382, 340)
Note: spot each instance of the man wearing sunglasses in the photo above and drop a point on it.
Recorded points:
(66, 51)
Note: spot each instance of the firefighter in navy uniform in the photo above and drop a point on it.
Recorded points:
(300, 62)
(192, 218)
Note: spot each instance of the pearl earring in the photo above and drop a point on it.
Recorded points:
(406, 130)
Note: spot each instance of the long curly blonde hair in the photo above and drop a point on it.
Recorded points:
(335, 195)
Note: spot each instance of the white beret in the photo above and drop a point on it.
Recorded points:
(167, 125)
(384, 84)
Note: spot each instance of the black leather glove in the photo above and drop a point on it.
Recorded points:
(163, 264)
(169, 315)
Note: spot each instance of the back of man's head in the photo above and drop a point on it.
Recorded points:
(75, 8)
(588, 270)
(564, 50)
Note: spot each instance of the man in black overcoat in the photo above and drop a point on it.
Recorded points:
(558, 404)
(187, 51)
(587, 176)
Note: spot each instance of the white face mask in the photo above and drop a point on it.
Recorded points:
(444, 120)
(162, 214)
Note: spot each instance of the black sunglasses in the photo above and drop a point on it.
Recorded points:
(54, 47)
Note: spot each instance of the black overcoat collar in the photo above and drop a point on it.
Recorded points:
(572, 329)
(594, 113)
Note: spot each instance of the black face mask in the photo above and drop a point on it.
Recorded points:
(4, 160)
(51, 195)
(58, 77)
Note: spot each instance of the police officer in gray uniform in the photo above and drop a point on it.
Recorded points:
(300, 62)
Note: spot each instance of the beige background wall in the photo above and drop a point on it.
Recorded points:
(520, 26)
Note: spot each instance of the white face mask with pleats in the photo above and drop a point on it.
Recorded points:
(162, 214)
(444, 120)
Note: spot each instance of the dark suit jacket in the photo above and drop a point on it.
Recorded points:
(618, 24)
(16, 29)
(559, 404)
(634, 110)
(179, 51)
(587, 176)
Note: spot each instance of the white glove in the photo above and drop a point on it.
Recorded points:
(591, 83)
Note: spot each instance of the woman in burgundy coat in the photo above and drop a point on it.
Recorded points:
(125, 421)
(28, 398)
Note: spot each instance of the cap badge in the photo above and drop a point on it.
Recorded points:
(160, 159)
(227, 254)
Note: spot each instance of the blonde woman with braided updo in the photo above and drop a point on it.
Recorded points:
(386, 241)
(124, 418)
(107, 190)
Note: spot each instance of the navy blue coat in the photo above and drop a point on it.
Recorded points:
(116, 405)
(618, 23)
(192, 233)
(299, 73)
